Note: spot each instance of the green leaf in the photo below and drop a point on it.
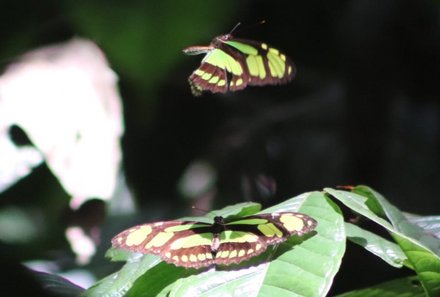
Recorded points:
(414, 244)
(379, 246)
(298, 267)
(158, 280)
(306, 270)
(425, 263)
(425, 260)
(371, 201)
(117, 284)
(228, 212)
(404, 287)
(400, 222)
(237, 210)
(118, 255)
(429, 224)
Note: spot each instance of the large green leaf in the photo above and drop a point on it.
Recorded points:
(302, 266)
(306, 270)
(404, 287)
(118, 283)
(399, 220)
(425, 262)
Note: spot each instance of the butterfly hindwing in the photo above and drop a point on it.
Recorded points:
(232, 252)
(220, 71)
(250, 236)
(208, 77)
(191, 247)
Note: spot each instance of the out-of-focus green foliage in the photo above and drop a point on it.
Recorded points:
(144, 39)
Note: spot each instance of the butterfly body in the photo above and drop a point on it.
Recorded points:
(199, 244)
(231, 64)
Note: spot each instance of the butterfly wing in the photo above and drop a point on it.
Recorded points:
(220, 71)
(209, 76)
(238, 245)
(250, 236)
(186, 244)
(266, 65)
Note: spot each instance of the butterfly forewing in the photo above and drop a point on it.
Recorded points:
(175, 241)
(266, 64)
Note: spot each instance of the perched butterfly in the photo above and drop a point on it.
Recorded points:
(198, 244)
(231, 64)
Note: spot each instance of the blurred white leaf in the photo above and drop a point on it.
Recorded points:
(15, 162)
(198, 178)
(81, 244)
(18, 226)
(65, 98)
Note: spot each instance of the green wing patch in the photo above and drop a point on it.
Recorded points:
(232, 64)
(197, 244)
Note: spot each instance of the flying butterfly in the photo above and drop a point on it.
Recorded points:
(231, 64)
(198, 244)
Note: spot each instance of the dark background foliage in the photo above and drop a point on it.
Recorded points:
(363, 109)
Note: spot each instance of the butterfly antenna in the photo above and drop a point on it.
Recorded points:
(235, 27)
(247, 26)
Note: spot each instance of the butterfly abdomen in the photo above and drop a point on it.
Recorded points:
(197, 50)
